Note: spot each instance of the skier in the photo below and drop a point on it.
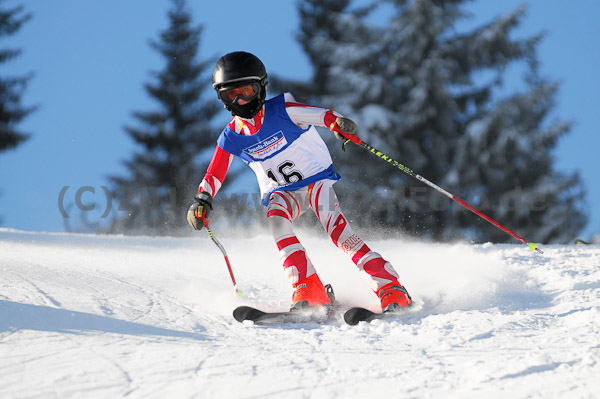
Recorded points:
(277, 140)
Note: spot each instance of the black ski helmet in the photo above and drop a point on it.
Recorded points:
(236, 70)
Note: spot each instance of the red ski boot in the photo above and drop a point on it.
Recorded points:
(393, 296)
(311, 292)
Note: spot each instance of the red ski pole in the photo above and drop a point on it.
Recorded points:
(218, 244)
(358, 141)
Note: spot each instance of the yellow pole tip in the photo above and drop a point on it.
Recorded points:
(533, 246)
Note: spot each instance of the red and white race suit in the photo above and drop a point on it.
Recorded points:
(312, 186)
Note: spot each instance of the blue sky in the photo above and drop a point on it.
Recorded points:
(91, 59)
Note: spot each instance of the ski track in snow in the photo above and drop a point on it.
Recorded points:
(139, 317)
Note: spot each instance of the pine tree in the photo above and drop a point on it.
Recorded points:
(505, 159)
(12, 88)
(12, 112)
(427, 95)
(164, 174)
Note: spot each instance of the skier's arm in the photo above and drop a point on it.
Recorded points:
(197, 215)
(216, 172)
(303, 115)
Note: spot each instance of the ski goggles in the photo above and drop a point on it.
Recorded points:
(245, 91)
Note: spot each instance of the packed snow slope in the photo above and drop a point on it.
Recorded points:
(84, 316)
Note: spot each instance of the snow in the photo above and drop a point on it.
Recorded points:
(112, 316)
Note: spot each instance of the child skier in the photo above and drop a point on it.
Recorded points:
(276, 138)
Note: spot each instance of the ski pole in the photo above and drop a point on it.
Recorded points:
(408, 171)
(238, 293)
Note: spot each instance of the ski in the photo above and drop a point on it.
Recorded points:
(300, 313)
(353, 316)
(307, 315)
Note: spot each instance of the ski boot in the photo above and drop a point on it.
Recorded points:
(393, 297)
(310, 292)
